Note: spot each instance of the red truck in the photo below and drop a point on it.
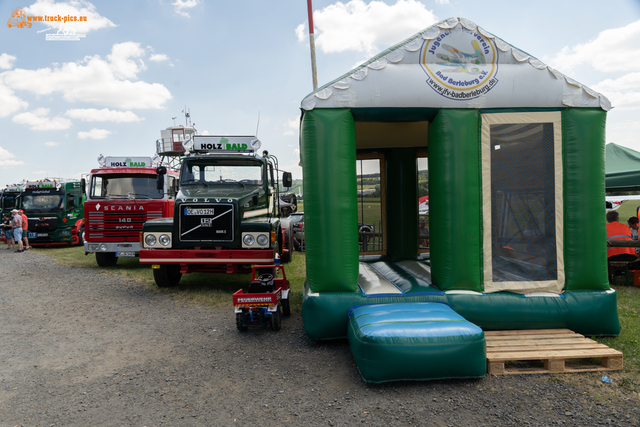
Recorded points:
(123, 194)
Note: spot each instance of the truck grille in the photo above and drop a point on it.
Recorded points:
(207, 222)
(43, 224)
(124, 226)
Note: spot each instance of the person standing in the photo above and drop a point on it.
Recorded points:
(16, 227)
(6, 229)
(633, 226)
(617, 231)
(25, 229)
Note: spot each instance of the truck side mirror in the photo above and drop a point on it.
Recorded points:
(83, 185)
(287, 181)
(70, 203)
(161, 171)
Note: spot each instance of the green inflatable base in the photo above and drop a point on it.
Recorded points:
(590, 313)
(415, 342)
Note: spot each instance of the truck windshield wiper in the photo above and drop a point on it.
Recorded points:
(127, 196)
(234, 181)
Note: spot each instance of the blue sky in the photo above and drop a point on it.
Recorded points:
(63, 103)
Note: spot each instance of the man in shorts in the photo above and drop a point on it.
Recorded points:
(25, 229)
(16, 226)
(6, 229)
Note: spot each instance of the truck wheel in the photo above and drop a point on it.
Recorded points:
(286, 307)
(288, 244)
(81, 235)
(106, 259)
(167, 276)
(275, 319)
(240, 322)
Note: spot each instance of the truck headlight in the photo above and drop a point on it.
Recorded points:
(150, 240)
(263, 240)
(248, 239)
(165, 240)
(103, 247)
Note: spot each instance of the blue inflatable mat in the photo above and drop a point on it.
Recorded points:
(415, 341)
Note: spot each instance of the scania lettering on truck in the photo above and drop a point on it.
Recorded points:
(54, 210)
(124, 193)
(225, 218)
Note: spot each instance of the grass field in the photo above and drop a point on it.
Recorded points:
(204, 288)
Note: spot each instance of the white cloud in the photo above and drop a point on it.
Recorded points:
(624, 92)
(77, 8)
(94, 80)
(301, 34)
(182, 5)
(104, 115)
(120, 60)
(9, 102)
(158, 57)
(613, 50)
(38, 120)
(361, 27)
(292, 126)
(94, 134)
(51, 144)
(6, 61)
(6, 159)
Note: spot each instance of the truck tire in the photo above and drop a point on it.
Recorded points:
(276, 321)
(167, 276)
(288, 244)
(81, 235)
(106, 259)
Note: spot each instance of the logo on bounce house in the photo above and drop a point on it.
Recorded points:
(461, 64)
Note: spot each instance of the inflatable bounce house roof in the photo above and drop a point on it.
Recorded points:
(512, 154)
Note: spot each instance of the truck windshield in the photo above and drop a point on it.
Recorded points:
(125, 187)
(42, 203)
(245, 174)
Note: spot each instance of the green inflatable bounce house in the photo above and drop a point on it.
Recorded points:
(453, 170)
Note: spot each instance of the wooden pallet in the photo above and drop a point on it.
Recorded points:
(551, 346)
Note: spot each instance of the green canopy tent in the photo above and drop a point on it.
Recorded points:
(622, 168)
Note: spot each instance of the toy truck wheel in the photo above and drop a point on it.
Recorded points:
(240, 322)
(167, 276)
(286, 307)
(276, 319)
(106, 259)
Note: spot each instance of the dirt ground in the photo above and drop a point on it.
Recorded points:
(82, 348)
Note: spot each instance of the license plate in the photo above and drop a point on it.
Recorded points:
(126, 254)
(203, 211)
(36, 235)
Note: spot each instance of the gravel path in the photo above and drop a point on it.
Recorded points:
(81, 348)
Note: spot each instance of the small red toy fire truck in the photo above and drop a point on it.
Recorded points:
(266, 300)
